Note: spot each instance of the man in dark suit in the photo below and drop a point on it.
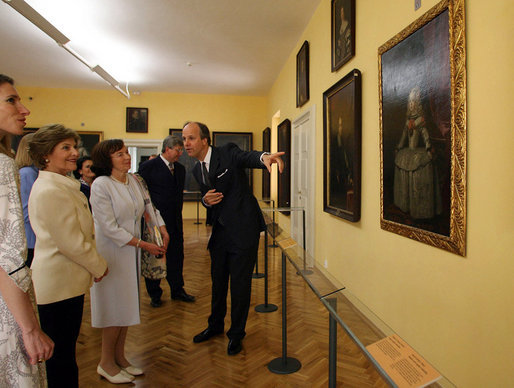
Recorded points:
(165, 179)
(237, 223)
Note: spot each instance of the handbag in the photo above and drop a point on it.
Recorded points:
(152, 267)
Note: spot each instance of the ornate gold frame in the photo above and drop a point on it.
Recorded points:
(456, 242)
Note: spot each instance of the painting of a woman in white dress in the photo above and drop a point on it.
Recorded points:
(416, 189)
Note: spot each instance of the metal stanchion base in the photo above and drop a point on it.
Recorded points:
(273, 246)
(266, 308)
(285, 366)
(257, 275)
(198, 223)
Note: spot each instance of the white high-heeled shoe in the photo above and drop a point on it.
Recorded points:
(119, 378)
(133, 370)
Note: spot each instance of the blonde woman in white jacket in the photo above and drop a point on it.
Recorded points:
(65, 257)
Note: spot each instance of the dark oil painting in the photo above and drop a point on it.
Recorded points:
(342, 147)
(416, 129)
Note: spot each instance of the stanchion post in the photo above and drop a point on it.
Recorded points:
(266, 308)
(332, 346)
(257, 274)
(273, 225)
(305, 271)
(284, 365)
(198, 208)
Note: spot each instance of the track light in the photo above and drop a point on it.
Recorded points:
(44, 25)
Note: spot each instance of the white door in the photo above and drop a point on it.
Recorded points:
(302, 185)
(139, 147)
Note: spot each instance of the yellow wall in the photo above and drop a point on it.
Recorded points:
(457, 312)
(95, 110)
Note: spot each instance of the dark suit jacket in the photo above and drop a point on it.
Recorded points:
(238, 212)
(166, 190)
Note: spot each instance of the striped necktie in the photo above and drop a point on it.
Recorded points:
(205, 175)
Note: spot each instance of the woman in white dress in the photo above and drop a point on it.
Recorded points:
(117, 201)
(23, 346)
(416, 188)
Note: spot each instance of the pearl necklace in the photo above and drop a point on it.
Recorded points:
(117, 180)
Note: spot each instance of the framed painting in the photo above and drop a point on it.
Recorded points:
(15, 139)
(422, 91)
(302, 75)
(342, 148)
(266, 176)
(137, 120)
(343, 32)
(243, 140)
(284, 179)
(88, 139)
(191, 186)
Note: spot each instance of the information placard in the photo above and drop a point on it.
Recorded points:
(402, 363)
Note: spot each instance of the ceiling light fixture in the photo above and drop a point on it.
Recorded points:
(44, 25)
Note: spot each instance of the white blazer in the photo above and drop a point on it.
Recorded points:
(65, 255)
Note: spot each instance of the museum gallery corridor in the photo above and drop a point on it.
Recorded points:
(162, 344)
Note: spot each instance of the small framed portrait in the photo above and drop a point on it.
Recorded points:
(242, 139)
(137, 120)
(342, 148)
(422, 92)
(302, 75)
(343, 32)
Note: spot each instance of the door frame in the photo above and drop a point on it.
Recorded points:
(310, 210)
(146, 143)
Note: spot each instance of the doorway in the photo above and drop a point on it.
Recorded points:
(303, 193)
(141, 150)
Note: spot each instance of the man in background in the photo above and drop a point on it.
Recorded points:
(165, 179)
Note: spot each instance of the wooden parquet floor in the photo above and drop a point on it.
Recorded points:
(162, 344)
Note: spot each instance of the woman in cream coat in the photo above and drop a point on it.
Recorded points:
(65, 257)
(118, 204)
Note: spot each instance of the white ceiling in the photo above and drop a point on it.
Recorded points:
(234, 46)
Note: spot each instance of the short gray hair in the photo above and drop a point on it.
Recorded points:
(171, 141)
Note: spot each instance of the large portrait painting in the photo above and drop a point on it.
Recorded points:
(342, 147)
(266, 176)
(88, 139)
(284, 179)
(423, 129)
(191, 186)
(343, 32)
(242, 139)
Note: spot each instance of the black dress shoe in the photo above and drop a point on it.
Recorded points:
(234, 347)
(156, 303)
(183, 296)
(206, 334)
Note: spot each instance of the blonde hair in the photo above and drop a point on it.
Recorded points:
(45, 139)
(23, 158)
(5, 144)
